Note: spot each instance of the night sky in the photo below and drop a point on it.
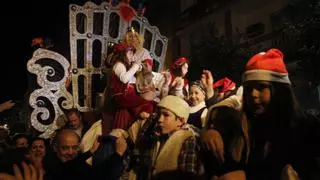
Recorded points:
(25, 21)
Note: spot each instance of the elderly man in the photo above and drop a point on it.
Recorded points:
(69, 163)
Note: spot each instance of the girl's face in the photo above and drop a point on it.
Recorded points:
(196, 96)
(38, 148)
(184, 69)
(258, 96)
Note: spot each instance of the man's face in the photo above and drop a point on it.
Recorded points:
(168, 121)
(74, 121)
(22, 143)
(68, 146)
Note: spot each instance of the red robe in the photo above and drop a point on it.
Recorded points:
(127, 103)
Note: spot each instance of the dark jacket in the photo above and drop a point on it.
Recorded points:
(78, 169)
(297, 145)
(73, 169)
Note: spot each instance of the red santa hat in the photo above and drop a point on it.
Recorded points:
(149, 62)
(178, 63)
(122, 47)
(267, 66)
(225, 85)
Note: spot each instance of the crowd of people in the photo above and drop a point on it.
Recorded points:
(176, 129)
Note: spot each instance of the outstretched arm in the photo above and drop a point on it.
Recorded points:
(207, 81)
(6, 105)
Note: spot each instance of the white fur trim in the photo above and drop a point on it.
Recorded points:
(266, 75)
(203, 117)
(168, 155)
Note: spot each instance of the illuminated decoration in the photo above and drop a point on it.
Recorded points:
(46, 99)
(93, 28)
(4, 127)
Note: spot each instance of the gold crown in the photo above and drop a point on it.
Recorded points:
(131, 29)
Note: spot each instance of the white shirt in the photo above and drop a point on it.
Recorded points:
(142, 55)
(125, 76)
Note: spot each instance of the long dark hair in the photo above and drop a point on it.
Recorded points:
(176, 67)
(283, 110)
(233, 128)
(113, 58)
(118, 54)
(178, 71)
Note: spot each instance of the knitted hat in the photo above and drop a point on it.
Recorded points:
(177, 105)
(267, 66)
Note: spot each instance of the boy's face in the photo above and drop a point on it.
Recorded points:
(168, 121)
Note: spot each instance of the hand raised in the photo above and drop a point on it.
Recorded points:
(28, 173)
(6, 105)
(207, 81)
(167, 77)
(178, 83)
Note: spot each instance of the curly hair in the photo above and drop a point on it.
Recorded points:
(134, 39)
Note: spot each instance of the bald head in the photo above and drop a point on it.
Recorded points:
(67, 134)
(67, 145)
